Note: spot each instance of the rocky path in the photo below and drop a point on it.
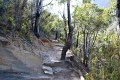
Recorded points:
(57, 69)
(52, 68)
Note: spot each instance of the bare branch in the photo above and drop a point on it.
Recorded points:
(48, 3)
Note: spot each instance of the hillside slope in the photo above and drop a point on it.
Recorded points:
(20, 60)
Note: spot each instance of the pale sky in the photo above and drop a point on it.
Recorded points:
(101, 3)
(56, 8)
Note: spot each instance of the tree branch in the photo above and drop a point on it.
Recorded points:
(48, 3)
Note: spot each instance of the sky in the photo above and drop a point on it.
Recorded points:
(101, 3)
(57, 9)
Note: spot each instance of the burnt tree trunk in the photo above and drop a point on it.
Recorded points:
(56, 34)
(69, 36)
(118, 11)
(36, 28)
(77, 40)
(37, 15)
(85, 49)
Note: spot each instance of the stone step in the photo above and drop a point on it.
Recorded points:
(38, 77)
(54, 63)
(61, 70)
(47, 70)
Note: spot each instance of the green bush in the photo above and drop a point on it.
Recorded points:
(105, 64)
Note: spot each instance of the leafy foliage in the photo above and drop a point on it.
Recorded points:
(104, 54)
(105, 62)
(87, 19)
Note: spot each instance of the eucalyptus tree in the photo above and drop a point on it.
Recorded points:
(65, 23)
(4, 6)
(63, 15)
(90, 20)
(68, 42)
(39, 8)
(38, 12)
(19, 9)
(78, 33)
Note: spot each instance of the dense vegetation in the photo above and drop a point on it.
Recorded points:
(90, 31)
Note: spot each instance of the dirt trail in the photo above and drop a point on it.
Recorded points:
(62, 70)
(48, 64)
(55, 54)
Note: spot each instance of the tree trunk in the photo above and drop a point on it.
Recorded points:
(85, 49)
(16, 16)
(22, 8)
(56, 34)
(65, 24)
(65, 28)
(32, 17)
(36, 28)
(37, 15)
(118, 11)
(77, 40)
(4, 9)
(69, 37)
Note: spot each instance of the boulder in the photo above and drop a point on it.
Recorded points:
(47, 70)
